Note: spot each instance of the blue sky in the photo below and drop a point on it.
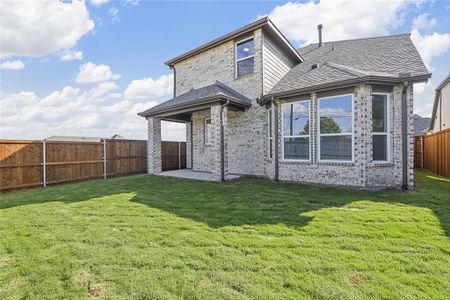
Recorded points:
(130, 40)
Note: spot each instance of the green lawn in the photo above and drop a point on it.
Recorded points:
(146, 237)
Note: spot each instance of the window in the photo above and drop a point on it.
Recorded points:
(269, 132)
(336, 128)
(245, 57)
(296, 130)
(380, 136)
(208, 131)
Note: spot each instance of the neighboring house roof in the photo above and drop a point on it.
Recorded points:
(421, 125)
(117, 137)
(206, 94)
(261, 23)
(436, 98)
(379, 59)
(66, 138)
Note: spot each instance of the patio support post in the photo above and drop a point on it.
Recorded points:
(219, 159)
(154, 163)
(189, 145)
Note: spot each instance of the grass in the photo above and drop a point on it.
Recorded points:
(144, 237)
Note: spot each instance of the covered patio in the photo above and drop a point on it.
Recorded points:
(210, 105)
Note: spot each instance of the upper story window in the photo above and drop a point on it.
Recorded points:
(296, 130)
(336, 128)
(380, 127)
(245, 57)
(208, 128)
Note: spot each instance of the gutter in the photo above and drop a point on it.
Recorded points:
(344, 83)
(208, 100)
(222, 142)
(405, 136)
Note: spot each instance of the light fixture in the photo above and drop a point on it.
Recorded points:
(246, 49)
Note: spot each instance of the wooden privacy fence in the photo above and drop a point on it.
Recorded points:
(173, 155)
(432, 152)
(38, 163)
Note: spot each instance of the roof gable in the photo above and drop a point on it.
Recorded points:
(264, 23)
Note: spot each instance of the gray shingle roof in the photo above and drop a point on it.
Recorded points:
(387, 56)
(218, 89)
(421, 125)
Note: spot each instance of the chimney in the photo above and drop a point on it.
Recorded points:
(319, 27)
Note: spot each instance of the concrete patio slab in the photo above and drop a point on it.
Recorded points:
(189, 174)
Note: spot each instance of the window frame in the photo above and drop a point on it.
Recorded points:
(206, 133)
(387, 132)
(336, 134)
(269, 130)
(294, 136)
(236, 60)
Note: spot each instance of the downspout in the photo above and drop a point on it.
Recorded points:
(405, 136)
(276, 140)
(222, 143)
(192, 145)
(174, 81)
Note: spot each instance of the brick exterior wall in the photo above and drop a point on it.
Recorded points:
(245, 130)
(362, 172)
(246, 133)
(154, 163)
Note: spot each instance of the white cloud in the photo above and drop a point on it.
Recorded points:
(98, 2)
(72, 55)
(423, 21)
(148, 88)
(430, 46)
(92, 73)
(114, 12)
(12, 65)
(342, 19)
(132, 2)
(423, 98)
(39, 28)
(98, 111)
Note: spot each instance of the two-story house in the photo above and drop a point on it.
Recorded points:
(338, 113)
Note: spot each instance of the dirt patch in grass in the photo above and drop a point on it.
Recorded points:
(97, 290)
(355, 278)
(5, 261)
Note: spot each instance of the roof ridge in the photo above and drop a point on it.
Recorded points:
(357, 39)
(352, 71)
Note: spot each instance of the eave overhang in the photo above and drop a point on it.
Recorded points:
(196, 105)
(343, 83)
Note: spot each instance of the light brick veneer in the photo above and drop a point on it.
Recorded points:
(154, 163)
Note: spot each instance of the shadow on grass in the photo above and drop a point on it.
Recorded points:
(243, 202)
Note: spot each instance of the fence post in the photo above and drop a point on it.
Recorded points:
(179, 155)
(44, 163)
(421, 152)
(104, 159)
